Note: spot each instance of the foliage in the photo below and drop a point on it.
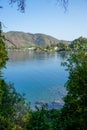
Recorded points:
(43, 119)
(21, 4)
(62, 46)
(3, 52)
(12, 106)
(74, 112)
(79, 44)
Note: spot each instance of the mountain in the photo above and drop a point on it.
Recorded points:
(21, 39)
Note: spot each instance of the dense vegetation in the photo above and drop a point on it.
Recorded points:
(74, 112)
(79, 44)
(3, 52)
(15, 114)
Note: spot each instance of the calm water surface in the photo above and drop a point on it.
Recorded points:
(39, 76)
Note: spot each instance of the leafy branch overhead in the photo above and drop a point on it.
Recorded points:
(21, 4)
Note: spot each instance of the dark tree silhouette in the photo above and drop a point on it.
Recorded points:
(20, 4)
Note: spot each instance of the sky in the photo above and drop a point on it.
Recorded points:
(47, 17)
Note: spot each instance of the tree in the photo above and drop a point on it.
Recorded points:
(79, 44)
(13, 109)
(43, 119)
(38, 121)
(62, 46)
(21, 4)
(3, 52)
(74, 112)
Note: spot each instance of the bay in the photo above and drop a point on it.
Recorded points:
(39, 76)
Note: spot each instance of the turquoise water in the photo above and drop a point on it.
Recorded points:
(39, 76)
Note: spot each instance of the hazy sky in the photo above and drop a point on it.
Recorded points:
(45, 16)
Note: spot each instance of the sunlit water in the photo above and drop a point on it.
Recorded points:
(39, 75)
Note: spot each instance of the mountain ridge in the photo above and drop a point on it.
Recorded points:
(22, 39)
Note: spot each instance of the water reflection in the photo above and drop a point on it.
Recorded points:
(15, 56)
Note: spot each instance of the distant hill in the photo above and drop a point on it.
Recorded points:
(21, 39)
